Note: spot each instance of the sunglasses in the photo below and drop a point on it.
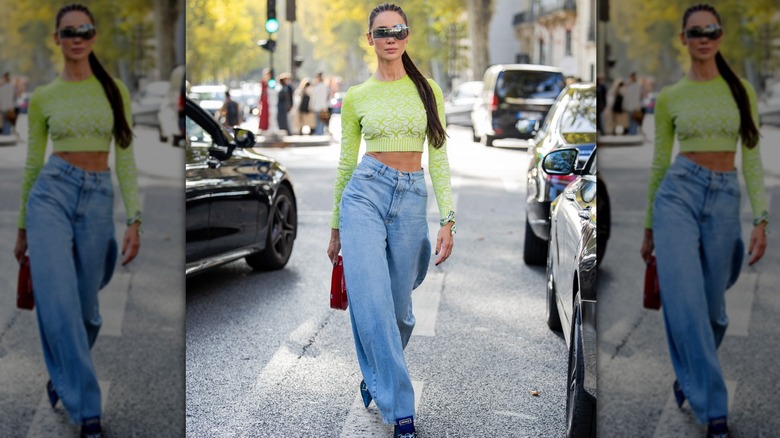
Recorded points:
(399, 32)
(713, 32)
(85, 32)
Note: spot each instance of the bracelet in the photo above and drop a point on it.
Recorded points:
(453, 230)
(449, 218)
(763, 217)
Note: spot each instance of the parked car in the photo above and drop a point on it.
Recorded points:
(769, 106)
(171, 109)
(571, 282)
(148, 101)
(511, 93)
(23, 102)
(209, 97)
(238, 203)
(458, 105)
(334, 105)
(571, 122)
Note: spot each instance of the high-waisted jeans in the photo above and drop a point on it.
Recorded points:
(699, 249)
(70, 235)
(386, 250)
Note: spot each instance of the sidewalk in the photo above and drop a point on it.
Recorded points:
(291, 140)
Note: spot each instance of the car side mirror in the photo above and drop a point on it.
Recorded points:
(244, 138)
(560, 161)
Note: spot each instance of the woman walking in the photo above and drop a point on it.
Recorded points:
(692, 219)
(66, 220)
(379, 211)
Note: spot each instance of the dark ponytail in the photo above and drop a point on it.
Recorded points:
(123, 135)
(747, 127)
(435, 131)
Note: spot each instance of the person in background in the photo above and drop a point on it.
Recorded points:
(7, 104)
(319, 103)
(284, 102)
(632, 103)
(231, 111)
(305, 117)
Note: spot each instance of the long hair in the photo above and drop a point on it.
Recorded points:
(123, 135)
(747, 127)
(434, 131)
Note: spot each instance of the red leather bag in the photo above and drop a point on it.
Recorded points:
(652, 298)
(338, 287)
(24, 288)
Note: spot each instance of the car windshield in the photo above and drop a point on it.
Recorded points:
(207, 95)
(197, 135)
(529, 84)
(577, 123)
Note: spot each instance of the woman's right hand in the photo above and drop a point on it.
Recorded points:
(647, 245)
(20, 249)
(334, 246)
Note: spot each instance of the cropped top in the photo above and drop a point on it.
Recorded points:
(392, 118)
(705, 117)
(78, 117)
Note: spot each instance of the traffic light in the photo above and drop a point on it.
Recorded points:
(269, 45)
(271, 23)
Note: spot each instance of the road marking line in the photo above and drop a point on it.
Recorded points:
(54, 422)
(673, 422)
(366, 422)
(113, 300)
(739, 304)
(425, 302)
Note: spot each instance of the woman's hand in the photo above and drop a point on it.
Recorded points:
(131, 243)
(444, 243)
(757, 243)
(334, 246)
(647, 245)
(20, 249)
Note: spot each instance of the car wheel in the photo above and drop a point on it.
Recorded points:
(553, 319)
(474, 136)
(282, 228)
(604, 220)
(534, 248)
(487, 140)
(580, 406)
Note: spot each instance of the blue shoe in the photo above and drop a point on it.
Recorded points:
(679, 395)
(90, 428)
(53, 397)
(718, 428)
(365, 394)
(404, 428)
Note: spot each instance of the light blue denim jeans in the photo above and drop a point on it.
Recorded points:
(386, 250)
(699, 250)
(70, 235)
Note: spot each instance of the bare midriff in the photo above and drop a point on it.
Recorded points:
(715, 161)
(401, 161)
(89, 161)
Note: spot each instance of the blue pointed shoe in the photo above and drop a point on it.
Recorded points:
(679, 395)
(718, 428)
(53, 397)
(365, 394)
(404, 428)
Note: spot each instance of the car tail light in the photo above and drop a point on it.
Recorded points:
(561, 179)
(493, 102)
(181, 102)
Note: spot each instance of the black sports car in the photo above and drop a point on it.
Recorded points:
(239, 203)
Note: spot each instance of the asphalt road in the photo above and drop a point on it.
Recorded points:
(635, 372)
(139, 355)
(266, 356)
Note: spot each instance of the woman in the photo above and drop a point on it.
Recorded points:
(379, 211)
(304, 116)
(692, 219)
(66, 220)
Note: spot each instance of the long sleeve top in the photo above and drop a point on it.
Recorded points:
(78, 117)
(391, 117)
(705, 117)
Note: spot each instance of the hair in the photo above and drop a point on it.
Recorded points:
(123, 135)
(747, 128)
(434, 131)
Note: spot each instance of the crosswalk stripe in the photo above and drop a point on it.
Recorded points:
(54, 422)
(113, 299)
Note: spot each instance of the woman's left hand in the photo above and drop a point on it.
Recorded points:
(131, 244)
(757, 243)
(444, 243)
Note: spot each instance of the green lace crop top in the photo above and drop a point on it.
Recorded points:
(78, 117)
(391, 117)
(705, 117)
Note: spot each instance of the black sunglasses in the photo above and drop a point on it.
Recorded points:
(399, 32)
(713, 32)
(85, 32)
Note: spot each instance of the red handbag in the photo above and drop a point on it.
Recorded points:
(24, 288)
(652, 292)
(338, 287)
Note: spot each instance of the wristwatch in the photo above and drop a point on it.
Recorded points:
(764, 217)
(449, 218)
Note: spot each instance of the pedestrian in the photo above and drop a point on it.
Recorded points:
(693, 215)
(230, 111)
(66, 220)
(264, 121)
(7, 104)
(305, 118)
(379, 212)
(619, 116)
(284, 102)
(632, 103)
(601, 103)
(319, 103)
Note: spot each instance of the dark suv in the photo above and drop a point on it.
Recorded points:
(512, 93)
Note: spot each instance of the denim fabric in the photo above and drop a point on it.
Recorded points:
(70, 235)
(699, 250)
(6, 125)
(386, 250)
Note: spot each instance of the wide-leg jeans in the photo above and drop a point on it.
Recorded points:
(699, 250)
(386, 251)
(70, 235)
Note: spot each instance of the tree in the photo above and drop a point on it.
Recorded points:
(480, 13)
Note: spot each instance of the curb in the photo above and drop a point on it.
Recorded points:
(621, 140)
(292, 140)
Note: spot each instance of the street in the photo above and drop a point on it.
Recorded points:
(139, 355)
(635, 372)
(266, 356)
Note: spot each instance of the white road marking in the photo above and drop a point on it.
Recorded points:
(366, 422)
(739, 304)
(425, 302)
(673, 422)
(54, 422)
(113, 299)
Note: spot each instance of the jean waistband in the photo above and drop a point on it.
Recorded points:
(701, 172)
(383, 169)
(59, 163)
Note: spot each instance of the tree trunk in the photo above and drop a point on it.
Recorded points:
(165, 16)
(480, 12)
